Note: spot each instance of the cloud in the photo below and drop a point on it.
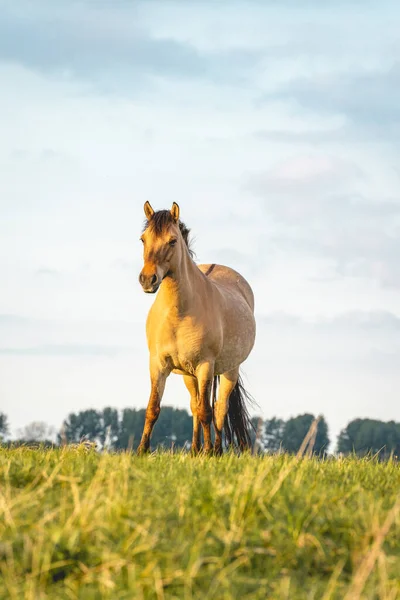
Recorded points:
(11, 320)
(384, 360)
(343, 345)
(306, 137)
(305, 174)
(366, 98)
(246, 263)
(22, 336)
(65, 350)
(46, 272)
(132, 267)
(109, 47)
(319, 207)
(366, 321)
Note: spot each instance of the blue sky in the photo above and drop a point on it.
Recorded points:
(275, 126)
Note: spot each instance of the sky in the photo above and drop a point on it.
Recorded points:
(274, 126)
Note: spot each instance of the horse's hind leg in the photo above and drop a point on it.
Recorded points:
(227, 383)
(191, 384)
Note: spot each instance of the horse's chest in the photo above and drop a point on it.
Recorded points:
(181, 348)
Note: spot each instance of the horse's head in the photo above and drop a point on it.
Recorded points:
(163, 244)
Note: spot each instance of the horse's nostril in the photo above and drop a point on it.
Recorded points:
(153, 279)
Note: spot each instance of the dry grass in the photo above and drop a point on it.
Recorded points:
(76, 524)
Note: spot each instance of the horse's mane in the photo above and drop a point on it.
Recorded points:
(161, 220)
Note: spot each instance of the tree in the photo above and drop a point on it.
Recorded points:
(110, 430)
(273, 434)
(364, 436)
(130, 429)
(257, 434)
(86, 424)
(173, 427)
(3, 426)
(37, 431)
(296, 429)
(110, 427)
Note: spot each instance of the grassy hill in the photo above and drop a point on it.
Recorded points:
(77, 524)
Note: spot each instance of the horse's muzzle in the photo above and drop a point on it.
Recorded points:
(149, 283)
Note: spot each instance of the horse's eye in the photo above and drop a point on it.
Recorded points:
(142, 240)
(172, 242)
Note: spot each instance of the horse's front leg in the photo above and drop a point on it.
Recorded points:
(205, 375)
(191, 384)
(158, 377)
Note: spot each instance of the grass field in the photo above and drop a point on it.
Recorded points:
(77, 524)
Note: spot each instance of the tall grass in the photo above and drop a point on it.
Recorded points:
(77, 524)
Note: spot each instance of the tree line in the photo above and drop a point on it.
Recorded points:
(121, 430)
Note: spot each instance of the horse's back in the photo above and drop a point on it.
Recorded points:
(234, 306)
(231, 279)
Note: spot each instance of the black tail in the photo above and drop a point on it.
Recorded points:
(238, 425)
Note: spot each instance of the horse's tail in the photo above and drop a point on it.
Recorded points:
(238, 422)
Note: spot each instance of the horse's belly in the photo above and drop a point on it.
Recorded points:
(238, 343)
(231, 359)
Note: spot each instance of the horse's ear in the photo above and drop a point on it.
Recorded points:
(148, 210)
(175, 211)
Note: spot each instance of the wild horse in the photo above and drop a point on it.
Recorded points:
(202, 326)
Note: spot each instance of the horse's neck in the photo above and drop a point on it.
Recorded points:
(177, 291)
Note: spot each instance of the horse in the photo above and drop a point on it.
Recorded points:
(201, 325)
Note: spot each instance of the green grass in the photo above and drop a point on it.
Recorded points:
(76, 524)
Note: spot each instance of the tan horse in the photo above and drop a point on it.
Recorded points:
(201, 325)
